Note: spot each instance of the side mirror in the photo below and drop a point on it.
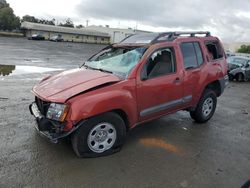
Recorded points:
(247, 65)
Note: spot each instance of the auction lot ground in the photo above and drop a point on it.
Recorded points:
(170, 152)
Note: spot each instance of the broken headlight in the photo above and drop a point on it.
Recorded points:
(57, 112)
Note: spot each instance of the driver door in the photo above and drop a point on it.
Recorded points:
(159, 90)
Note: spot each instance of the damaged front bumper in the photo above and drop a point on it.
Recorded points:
(48, 128)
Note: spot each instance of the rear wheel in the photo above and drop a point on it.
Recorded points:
(99, 136)
(205, 108)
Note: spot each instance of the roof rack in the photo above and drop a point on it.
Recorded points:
(152, 38)
(192, 33)
(169, 36)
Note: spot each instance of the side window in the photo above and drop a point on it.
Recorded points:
(161, 62)
(198, 53)
(192, 54)
(214, 50)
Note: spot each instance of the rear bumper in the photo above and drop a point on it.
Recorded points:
(47, 128)
(224, 83)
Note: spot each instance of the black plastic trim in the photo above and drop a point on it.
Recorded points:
(166, 106)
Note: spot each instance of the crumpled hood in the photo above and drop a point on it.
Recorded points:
(62, 86)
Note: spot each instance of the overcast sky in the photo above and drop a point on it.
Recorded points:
(228, 19)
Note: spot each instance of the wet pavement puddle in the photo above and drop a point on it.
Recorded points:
(153, 142)
(12, 70)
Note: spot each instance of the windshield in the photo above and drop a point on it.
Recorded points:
(118, 61)
(237, 61)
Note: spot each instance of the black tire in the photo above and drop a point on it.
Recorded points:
(240, 77)
(80, 142)
(230, 77)
(198, 115)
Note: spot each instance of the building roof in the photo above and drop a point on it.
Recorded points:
(110, 29)
(60, 29)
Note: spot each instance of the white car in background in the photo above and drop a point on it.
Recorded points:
(56, 38)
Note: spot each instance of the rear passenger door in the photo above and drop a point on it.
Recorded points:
(193, 60)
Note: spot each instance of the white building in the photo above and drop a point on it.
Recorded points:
(116, 34)
(67, 33)
(90, 34)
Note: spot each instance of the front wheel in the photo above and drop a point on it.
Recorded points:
(99, 136)
(240, 77)
(230, 77)
(205, 108)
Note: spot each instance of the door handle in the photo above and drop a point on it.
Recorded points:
(177, 80)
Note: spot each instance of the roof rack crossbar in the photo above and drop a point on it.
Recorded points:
(173, 35)
(168, 35)
(193, 33)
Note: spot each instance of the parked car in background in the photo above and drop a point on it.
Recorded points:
(239, 68)
(144, 77)
(56, 38)
(229, 53)
(37, 37)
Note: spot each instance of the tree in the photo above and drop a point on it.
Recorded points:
(7, 69)
(244, 49)
(79, 26)
(47, 22)
(3, 4)
(28, 18)
(68, 23)
(8, 20)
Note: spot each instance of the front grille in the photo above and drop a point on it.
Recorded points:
(43, 106)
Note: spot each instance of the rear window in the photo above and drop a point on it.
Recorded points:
(214, 49)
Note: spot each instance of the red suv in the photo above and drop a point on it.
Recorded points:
(144, 77)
